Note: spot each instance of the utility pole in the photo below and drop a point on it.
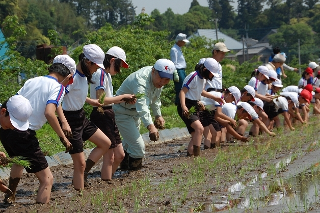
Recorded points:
(216, 21)
(299, 56)
(244, 56)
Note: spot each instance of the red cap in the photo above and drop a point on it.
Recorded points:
(317, 90)
(306, 95)
(309, 87)
(309, 71)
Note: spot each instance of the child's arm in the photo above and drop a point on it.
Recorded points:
(263, 126)
(115, 99)
(287, 120)
(54, 123)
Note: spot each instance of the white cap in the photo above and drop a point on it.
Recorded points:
(118, 53)
(212, 65)
(235, 92)
(20, 110)
(182, 37)
(264, 71)
(279, 58)
(221, 46)
(247, 107)
(258, 102)
(66, 61)
(201, 61)
(165, 68)
(293, 96)
(313, 65)
(94, 54)
(251, 91)
(277, 83)
(273, 74)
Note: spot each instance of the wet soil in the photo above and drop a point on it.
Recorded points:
(158, 166)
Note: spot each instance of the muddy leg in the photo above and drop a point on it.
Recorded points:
(89, 165)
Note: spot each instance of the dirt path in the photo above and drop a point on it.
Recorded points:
(160, 164)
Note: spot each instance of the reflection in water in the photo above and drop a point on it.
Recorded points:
(295, 194)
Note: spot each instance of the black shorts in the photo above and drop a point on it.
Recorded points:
(26, 145)
(270, 110)
(107, 124)
(193, 117)
(82, 129)
(207, 118)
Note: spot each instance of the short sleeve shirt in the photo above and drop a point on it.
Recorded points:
(229, 109)
(101, 80)
(210, 103)
(195, 85)
(262, 88)
(254, 82)
(76, 93)
(41, 91)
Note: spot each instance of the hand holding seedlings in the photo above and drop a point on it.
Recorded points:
(133, 99)
(101, 101)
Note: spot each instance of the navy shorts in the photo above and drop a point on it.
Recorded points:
(207, 118)
(107, 124)
(193, 117)
(26, 145)
(82, 129)
(270, 109)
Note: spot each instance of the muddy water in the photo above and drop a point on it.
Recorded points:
(296, 194)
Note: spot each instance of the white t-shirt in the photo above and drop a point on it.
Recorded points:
(195, 83)
(41, 91)
(281, 103)
(254, 82)
(76, 93)
(316, 82)
(102, 80)
(229, 109)
(210, 103)
(216, 82)
(302, 82)
(262, 88)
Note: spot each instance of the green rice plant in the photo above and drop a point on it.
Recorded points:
(101, 101)
(136, 204)
(19, 160)
(139, 95)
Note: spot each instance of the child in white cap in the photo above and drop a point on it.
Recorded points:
(230, 95)
(190, 95)
(114, 60)
(14, 114)
(82, 129)
(45, 94)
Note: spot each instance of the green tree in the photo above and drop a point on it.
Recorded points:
(287, 38)
(194, 3)
(226, 20)
(13, 64)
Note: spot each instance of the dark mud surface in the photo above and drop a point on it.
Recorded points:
(158, 166)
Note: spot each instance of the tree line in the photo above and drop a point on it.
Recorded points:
(73, 19)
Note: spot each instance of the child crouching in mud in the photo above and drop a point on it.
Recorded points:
(190, 95)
